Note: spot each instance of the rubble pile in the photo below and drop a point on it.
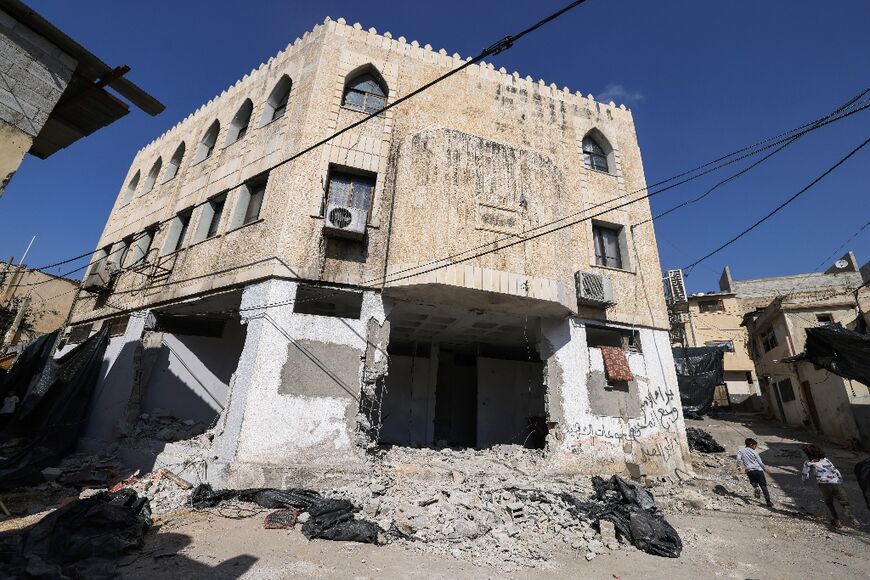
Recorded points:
(490, 507)
(161, 425)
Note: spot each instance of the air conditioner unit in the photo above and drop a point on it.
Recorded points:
(345, 222)
(101, 277)
(593, 290)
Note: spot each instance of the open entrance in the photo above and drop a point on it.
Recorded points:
(190, 354)
(463, 378)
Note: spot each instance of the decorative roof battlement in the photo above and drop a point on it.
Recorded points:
(400, 45)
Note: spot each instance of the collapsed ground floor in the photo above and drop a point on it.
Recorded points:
(290, 381)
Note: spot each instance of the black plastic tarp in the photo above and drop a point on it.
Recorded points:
(634, 513)
(53, 410)
(843, 352)
(699, 370)
(331, 519)
(81, 540)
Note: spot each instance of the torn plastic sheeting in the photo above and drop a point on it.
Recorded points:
(699, 370)
(331, 519)
(53, 410)
(634, 514)
(301, 499)
(81, 540)
(700, 440)
(844, 352)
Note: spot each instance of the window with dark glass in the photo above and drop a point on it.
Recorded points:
(281, 105)
(239, 125)
(768, 341)
(607, 247)
(349, 189)
(183, 221)
(715, 305)
(364, 93)
(825, 318)
(255, 202)
(593, 155)
(786, 391)
(217, 210)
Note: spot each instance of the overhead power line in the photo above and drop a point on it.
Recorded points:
(777, 208)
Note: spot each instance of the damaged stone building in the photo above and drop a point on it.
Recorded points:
(387, 288)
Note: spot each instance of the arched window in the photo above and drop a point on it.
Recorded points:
(206, 146)
(174, 163)
(276, 104)
(152, 176)
(594, 155)
(131, 189)
(365, 92)
(239, 127)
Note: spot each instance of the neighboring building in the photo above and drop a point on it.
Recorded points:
(314, 307)
(37, 303)
(796, 391)
(715, 319)
(52, 90)
(774, 314)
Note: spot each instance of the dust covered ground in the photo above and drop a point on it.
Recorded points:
(451, 527)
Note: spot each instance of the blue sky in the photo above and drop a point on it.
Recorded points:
(702, 79)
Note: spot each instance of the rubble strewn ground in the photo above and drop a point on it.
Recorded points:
(490, 514)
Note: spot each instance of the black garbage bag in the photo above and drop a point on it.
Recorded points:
(53, 410)
(862, 474)
(82, 540)
(634, 514)
(331, 519)
(700, 440)
(699, 370)
(204, 497)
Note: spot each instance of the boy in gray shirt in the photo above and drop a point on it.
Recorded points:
(750, 461)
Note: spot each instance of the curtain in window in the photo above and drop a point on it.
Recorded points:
(607, 247)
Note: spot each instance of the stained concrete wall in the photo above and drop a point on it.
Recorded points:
(588, 442)
(191, 374)
(408, 409)
(270, 428)
(107, 412)
(508, 393)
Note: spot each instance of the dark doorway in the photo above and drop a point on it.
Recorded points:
(811, 403)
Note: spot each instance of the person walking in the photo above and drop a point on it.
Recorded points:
(749, 459)
(830, 482)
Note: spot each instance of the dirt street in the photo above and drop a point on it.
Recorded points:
(726, 532)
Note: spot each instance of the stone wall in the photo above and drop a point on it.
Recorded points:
(33, 75)
(539, 123)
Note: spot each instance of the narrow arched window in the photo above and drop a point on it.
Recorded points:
(152, 176)
(276, 104)
(131, 189)
(365, 93)
(593, 155)
(239, 126)
(174, 163)
(206, 146)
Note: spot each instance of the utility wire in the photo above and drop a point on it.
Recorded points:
(829, 119)
(778, 208)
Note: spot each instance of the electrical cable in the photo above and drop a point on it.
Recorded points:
(776, 209)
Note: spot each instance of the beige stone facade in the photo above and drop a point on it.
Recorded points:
(443, 288)
(46, 301)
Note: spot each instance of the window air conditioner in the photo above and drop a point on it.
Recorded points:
(101, 277)
(593, 290)
(345, 222)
